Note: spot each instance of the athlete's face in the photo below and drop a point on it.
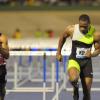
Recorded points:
(84, 26)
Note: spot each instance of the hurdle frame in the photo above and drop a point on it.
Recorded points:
(45, 89)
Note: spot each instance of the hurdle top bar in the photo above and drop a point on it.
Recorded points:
(38, 52)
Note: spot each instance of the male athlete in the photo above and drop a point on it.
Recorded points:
(4, 54)
(83, 36)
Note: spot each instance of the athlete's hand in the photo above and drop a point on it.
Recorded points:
(88, 53)
(59, 57)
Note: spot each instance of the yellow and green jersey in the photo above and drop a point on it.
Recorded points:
(81, 42)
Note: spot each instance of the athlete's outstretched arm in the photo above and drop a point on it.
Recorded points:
(68, 32)
(4, 49)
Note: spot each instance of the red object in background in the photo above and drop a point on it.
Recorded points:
(50, 33)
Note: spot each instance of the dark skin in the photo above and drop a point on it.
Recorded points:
(4, 49)
(73, 73)
(84, 26)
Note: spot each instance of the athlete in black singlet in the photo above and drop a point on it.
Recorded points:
(4, 54)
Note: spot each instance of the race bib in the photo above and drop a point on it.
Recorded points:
(80, 52)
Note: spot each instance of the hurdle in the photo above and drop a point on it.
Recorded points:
(57, 79)
(63, 85)
(43, 89)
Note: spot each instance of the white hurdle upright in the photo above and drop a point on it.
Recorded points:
(44, 76)
(63, 85)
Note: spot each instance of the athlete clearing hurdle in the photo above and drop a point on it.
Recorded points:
(4, 54)
(83, 36)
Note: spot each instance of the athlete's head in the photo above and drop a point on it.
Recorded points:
(84, 23)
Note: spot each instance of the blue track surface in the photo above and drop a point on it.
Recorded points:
(38, 96)
(64, 95)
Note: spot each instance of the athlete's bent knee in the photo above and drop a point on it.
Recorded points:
(73, 74)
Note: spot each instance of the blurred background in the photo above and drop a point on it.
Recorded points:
(44, 18)
(33, 28)
(35, 19)
(52, 2)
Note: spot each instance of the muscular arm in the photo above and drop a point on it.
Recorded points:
(62, 41)
(68, 32)
(4, 49)
(96, 44)
(96, 52)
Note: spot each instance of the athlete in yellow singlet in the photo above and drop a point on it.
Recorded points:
(83, 36)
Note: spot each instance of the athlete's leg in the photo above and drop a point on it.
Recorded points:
(2, 88)
(86, 84)
(2, 93)
(86, 76)
(74, 72)
(2, 82)
(73, 78)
